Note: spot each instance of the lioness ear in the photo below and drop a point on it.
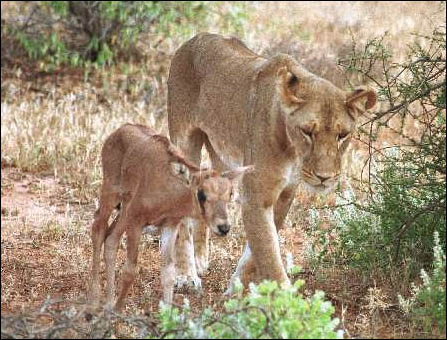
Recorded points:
(361, 99)
(181, 171)
(288, 86)
(237, 172)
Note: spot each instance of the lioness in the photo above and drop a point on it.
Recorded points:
(272, 113)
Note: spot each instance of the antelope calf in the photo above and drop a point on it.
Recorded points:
(154, 185)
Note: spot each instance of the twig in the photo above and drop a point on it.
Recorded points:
(409, 222)
(396, 108)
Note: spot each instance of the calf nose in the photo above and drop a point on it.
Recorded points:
(224, 228)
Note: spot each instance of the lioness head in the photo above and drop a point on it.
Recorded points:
(320, 120)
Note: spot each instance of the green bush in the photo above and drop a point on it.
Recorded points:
(405, 197)
(268, 311)
(427, 304)
(96, 32)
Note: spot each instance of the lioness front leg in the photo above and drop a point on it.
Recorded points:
(263, 241)
(261, 258)
(245, 271)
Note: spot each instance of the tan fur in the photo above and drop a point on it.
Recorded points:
(272, 113)
(155, 185)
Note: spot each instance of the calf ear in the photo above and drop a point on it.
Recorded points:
(361, 99)
(237, 172)
(181, 171)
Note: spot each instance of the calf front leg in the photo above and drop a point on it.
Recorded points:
(201, 247)
(186, 273)
(168, 238)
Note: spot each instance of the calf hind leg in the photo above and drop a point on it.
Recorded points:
(129, 272)
(98, 233)
(110, 250)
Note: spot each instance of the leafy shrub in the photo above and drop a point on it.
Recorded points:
(405, 196)
(268, 311)
(427, 304)
(84, 32)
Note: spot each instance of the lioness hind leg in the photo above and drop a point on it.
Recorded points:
(185, 264)
(215, 160)
(202, 232)
(283, 204)
(192, 145)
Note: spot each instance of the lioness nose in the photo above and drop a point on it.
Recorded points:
(325, 176)
(224, 228)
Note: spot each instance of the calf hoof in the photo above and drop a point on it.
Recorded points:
(189, 284)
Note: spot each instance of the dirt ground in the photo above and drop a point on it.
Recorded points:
(46, 250)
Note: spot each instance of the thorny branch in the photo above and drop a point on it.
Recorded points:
(69, 319)
(394, 109)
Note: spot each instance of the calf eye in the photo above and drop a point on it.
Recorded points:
(201, 196)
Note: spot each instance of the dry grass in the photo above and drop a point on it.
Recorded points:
(53, 126)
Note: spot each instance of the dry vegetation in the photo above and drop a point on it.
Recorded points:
(53, 126)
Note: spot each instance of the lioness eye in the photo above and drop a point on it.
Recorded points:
(342, 136)
(306, 132)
